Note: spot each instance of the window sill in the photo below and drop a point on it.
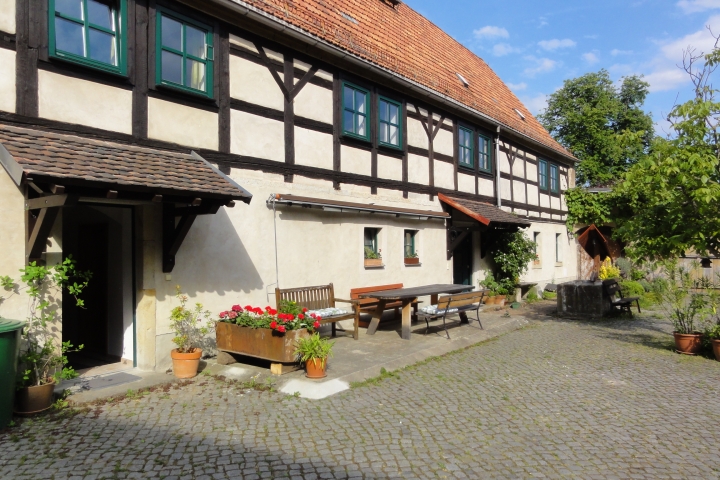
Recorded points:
(374, 267)
(412, 264)
(186, 91)
(558, 264)
(89, 64)
(537, 266)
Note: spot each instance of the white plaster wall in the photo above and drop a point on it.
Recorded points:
(532, 172)
(12, 241)
(563, 182)
(7, 73)
(486, 187)
(444, 175)
(555, 203)
(532, 192)
(172, 122)
(257, 136)
(550, 271)
(82, 102)
(505, 189)
(252, 82)
(466, 183)
(7, 16)
(518, 168)
(315, 102)
(416, 134)
(544, 200)
(418, 169)
(443, 142)
(355, 160)
(519, 191)
(503, 161)
(389, 167)
(314, 149)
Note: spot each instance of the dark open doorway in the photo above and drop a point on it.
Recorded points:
(463, 262)
(99, 238)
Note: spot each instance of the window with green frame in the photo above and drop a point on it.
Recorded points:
(184, 58)
(371, 240)
(543, 174)
(89, 32)
(554, 179)
(484, 156)
(356, 102)
(410, 244)
(390, 126)
(465, 147)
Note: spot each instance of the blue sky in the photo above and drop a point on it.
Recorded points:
(535, 45)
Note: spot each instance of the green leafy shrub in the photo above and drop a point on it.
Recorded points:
(646, 285)
(549, 295)
(625, 266)
(371, 254)
(630, 288)
(637, 275)
(532, 296)
(608, 270)
(647, 300)
(187, 324)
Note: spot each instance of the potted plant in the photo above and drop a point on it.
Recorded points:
(712, 334)
(43, 362)
(512, 252)
(373, 258)
(412, 259)
(314, 351)
(265, 333)
(187, 325)
(489, 283)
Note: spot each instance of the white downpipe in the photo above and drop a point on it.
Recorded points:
(497, 168)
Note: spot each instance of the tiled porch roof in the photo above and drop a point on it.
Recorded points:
(483, 212)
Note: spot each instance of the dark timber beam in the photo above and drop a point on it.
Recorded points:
(41, 225)
(456, 243)
(173, 236)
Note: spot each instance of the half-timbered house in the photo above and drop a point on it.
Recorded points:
(134, 134)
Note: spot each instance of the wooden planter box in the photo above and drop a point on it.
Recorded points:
(262, 343)
(412, 261)
(373, 262)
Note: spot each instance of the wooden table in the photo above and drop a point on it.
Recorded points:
(407, 296)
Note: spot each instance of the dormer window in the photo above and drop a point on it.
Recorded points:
(465, 83)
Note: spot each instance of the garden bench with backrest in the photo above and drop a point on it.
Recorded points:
(321, 300)
(369, 305)
(621, 304)
(451, 305)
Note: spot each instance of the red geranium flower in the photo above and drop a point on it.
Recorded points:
(304, 309)
(232, 314)
(223, 314)
(281, 329)
(316, 324)
(313, 315)
(272, 311)
(237, 308)
(248, 307)
(301, 316)
(273, 324)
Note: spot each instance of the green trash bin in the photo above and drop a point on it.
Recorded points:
(9, 346)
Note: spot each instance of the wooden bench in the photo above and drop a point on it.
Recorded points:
(368, 305)
(318, 298)
(622, 304)
(454, 304)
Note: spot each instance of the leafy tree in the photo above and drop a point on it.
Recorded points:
(592, 117)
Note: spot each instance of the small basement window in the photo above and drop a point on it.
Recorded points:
(371, 243)
(410, 252)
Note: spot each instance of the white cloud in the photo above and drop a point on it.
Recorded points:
(554, 44)
(590, 58)
(502, 49)
(542, 22)
(517, 87)
(535, 104)
(490, 31)
(540, 65)
(615, 52)
(693, 6)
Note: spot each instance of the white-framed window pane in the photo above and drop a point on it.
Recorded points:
(172, 34)
(172, 67)
(394, 135)
(100, 14)
(195, 74)
(102, 47)
(69, 37)
(195, 42)
(72, 8)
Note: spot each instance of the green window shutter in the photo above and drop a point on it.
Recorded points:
(542, 175)
(484, 154)
(356, 111)
(390, 123)
(92, 33)
(465, 147)
(184, 54)
(554, 179)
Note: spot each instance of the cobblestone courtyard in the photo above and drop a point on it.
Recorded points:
(559, 399)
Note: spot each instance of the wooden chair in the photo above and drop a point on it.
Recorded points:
(454, 304)
(370, 304)
(318, 298)
(622, 304)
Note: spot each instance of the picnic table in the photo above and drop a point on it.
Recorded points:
(407, 296)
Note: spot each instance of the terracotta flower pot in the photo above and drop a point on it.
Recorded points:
(373, 262)
(412, 260)
(185, 365)
(29, 400)
(716, 349)
(688, 343)
(490, 300)
(315, 368)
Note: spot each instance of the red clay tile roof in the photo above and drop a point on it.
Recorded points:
(76, 160)
(403, 41)
(482, 212)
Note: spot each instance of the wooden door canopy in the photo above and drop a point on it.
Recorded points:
(484, 213)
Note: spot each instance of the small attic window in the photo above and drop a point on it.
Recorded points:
(465, 83)
(520, 114)
(392, 3)
(349, 18)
